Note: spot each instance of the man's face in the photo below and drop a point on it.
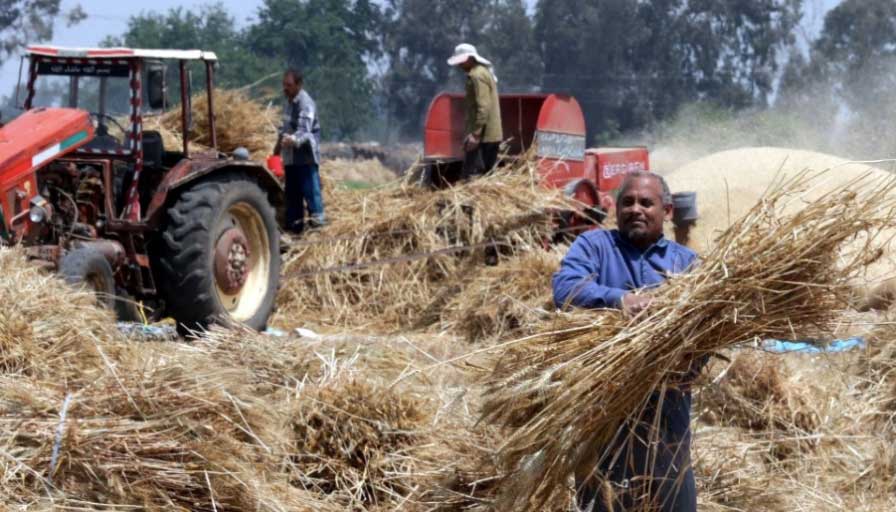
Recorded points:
(640, 212)
(290, 87)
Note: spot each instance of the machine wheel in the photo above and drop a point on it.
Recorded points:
(575, 221)
(219, 257)
(88, 268)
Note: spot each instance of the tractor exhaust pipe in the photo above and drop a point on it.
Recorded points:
(684, 216)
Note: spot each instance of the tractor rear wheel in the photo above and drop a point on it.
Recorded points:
(219, 257)
(89, 269)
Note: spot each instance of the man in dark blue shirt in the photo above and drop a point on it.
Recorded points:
(647, 466)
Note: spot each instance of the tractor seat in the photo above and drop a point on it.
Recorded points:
(102, 141)
(153, 150)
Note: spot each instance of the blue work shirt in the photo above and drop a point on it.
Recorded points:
(602, 266)
(599, 269)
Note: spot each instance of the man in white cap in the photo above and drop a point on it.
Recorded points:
(483, 111)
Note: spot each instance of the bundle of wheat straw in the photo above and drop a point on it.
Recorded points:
(769, 276)
(239, 122)
(508, 298)
(37, 334)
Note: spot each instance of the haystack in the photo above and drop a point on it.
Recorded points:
(505, 299)
(239, 122)
(353, 441)
(359, 173)
(729, 183)
(87, 418)
(386, 255)
(37, 335)
(770, 275)
(755, 392)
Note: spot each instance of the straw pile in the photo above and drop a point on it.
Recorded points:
(387, 256)
(239, 122)
(510, 298)
(770, 275)
(729, 183)
(358, 172)
(843, 462)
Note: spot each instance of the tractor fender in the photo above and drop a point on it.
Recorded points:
(189, 171)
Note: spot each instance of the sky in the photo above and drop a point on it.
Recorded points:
(109, 17)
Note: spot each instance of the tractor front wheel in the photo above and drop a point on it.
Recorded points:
(219, 259)
(89, 269)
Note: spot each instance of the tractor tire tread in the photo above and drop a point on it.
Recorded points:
(187, 283)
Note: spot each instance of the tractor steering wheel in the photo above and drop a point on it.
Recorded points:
(100, 116)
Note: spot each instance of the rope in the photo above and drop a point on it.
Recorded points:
(60, 430)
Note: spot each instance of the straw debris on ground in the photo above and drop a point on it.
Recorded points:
(387, 255)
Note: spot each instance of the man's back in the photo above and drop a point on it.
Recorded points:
(482, 104)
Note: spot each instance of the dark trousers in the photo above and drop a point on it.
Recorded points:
(647, 467)
(481, 160)
(303, 193)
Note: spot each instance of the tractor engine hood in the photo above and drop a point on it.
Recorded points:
(39, 136)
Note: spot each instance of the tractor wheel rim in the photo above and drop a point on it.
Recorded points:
(232, 260)
(242, 262)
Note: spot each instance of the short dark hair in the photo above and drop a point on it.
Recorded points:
(296, 74)
(632, 176)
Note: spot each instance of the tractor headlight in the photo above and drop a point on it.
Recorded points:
(40, 210)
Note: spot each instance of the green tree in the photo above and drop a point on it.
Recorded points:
(211, 27)
(332, 41)
(417, 51)
(856, 50)
(856, 55)
(26, 21)
(633, 62)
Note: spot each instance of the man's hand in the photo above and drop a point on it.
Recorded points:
(471, 143)
(633, 304)
(287, 141)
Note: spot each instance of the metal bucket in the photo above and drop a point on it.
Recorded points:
(684, 207)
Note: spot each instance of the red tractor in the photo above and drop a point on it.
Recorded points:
(556, 126)
(89, 192)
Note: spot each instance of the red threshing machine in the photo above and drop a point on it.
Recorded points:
(554, 123)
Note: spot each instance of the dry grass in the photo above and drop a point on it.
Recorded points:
(239, 122)
(510, 298)
(770, 275)
(242, 421)
(389, 256)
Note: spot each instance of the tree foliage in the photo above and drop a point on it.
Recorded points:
(331, 41)
(210, 27)
(26, 21)
(633, 62)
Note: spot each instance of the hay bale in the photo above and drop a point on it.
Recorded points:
(770, 275)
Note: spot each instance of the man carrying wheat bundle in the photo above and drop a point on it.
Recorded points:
(647, 465)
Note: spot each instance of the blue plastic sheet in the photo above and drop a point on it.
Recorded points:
(811, 348)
